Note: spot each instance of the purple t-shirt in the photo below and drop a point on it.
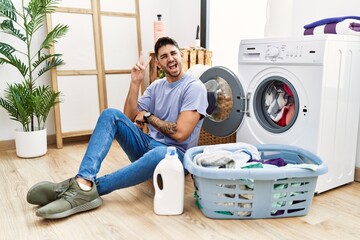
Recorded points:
(166, 100)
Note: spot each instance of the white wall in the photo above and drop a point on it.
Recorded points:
(181, 19)
(288, 17)
(229, 22)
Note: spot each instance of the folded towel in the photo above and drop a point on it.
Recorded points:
(355, 26)
(330, 20)
(219, 158)
(224, 159)
(347, 27)
(224, 155)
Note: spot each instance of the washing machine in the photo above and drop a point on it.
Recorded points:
(302, 91)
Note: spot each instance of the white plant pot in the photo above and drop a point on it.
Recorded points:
(30, 144)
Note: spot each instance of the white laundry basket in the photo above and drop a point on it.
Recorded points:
(256, 192)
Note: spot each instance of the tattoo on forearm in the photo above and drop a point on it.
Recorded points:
(167, 128)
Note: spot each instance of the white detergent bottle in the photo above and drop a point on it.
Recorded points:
(169, 185)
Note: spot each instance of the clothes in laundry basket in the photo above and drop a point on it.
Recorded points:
(246, 156)
(220, 157)
(250, 193)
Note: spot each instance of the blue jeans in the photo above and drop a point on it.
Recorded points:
(142, 150)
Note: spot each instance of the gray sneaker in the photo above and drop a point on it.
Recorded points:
(43, 193)
(72, 201)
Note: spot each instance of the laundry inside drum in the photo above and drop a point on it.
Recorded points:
(220, 99)
(279, 103)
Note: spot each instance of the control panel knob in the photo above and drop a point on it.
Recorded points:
(273, 52)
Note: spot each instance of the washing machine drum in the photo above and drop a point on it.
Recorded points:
(226, 99)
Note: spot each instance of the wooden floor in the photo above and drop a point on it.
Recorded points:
(128, 213)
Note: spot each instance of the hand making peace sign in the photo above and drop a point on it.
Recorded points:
(138, 70)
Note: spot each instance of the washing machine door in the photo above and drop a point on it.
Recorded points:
(276, 104)
(227, 101)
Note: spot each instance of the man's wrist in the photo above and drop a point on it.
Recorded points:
(146, 116)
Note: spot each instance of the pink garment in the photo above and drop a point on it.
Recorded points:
(288, 90)
(282, 121)
(290, 114)
(287, 115)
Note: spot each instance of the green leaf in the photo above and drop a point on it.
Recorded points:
(17, 63)
(43, 58)
(8, 27)
(17, 103)
(54, 62)
(44, 98)
(37, 10)
(58, 32)
(7, 10)
(6, 49)
(42, 7)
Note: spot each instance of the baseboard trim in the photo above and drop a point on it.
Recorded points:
(51, 140)
(7, 145)
(357, 174)
(10, 144)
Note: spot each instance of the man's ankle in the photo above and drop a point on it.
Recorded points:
(84, 184)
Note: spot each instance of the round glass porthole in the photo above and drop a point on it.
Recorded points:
(226, 101)
(276, 104)
(220, 99)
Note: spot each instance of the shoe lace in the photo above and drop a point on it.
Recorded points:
(60, 191)
(70, 193)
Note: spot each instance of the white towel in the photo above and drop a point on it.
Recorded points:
(343, 27)
(231, 155)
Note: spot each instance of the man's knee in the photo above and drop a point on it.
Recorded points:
(159, 152)
(111, 113)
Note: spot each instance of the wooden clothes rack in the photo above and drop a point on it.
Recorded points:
(92, 87)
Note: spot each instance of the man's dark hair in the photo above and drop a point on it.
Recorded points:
(163, 41)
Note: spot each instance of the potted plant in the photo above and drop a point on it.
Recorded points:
(27, 102)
